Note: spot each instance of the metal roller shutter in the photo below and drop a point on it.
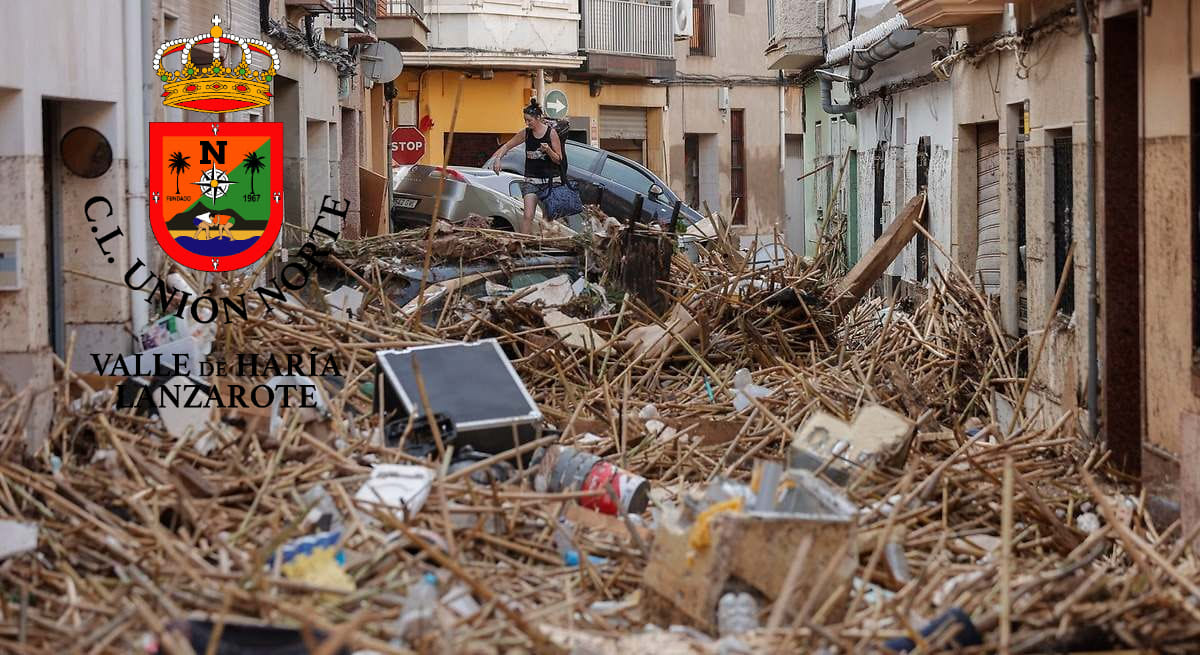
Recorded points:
(623, 123)
(988, 259)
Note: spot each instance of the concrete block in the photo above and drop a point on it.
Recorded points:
(876, 435)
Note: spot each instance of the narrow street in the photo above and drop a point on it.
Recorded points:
(601, 327)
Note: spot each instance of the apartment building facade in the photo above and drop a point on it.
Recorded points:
(988, 108)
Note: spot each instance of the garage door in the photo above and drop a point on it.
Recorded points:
(623, 123)
(988, 260)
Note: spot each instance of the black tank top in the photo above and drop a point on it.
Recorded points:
(537, 163)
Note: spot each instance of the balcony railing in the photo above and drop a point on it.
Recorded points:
(414, 8)
(772, 36)
(361, 12)
(628, 27)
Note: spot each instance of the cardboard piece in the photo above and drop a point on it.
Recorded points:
(373, 189)
(552, 293)
(181, 420)
(655, 340)
(573, 333)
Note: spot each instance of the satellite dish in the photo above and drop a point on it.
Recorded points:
(382, 62)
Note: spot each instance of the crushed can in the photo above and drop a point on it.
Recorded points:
(562, 468)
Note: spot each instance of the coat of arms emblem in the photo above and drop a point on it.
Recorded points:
(216, 189)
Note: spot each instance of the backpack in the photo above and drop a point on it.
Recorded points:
(562, 126)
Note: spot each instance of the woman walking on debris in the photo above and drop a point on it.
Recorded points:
(543, 154)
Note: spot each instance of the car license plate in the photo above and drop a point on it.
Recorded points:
(407, 203)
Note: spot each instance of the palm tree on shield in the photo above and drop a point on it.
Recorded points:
(253, 164)
(178, 164)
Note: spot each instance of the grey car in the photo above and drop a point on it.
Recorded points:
(414, 191)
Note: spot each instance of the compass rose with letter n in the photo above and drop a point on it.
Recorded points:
(216, 188)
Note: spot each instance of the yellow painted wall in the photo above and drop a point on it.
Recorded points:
(495, 106)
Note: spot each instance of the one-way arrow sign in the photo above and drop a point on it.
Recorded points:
(556, 104)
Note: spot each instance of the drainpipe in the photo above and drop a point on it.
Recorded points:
(135, 148)
(862, 62)
(1093, 384)
(827, 105)
(782, 123)
(864, 52)
(866, 39)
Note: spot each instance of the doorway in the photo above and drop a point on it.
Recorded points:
(623, 131)
(1121, 348)
(793, 192)
(989, 259)
(691, 170)
(52, 176)
(737, 165)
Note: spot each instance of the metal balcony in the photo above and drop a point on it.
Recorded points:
(402, 23)
(356, 15)
(628, 27)
(628, 38)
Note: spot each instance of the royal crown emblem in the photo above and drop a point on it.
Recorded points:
(219, 87)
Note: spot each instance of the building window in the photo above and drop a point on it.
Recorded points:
(737, 165)
(704, 30)
(771, 36)
(1064, 198)
(737, 7)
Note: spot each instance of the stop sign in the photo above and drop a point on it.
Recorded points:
(408, 145)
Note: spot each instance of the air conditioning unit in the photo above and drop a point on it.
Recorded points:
(682, 18)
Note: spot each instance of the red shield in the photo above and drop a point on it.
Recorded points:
(216, 192)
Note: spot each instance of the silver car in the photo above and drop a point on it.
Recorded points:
(503, 182)
(414, 191)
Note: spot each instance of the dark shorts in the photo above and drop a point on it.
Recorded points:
(533, 188)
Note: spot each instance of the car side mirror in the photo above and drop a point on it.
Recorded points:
(655, 190)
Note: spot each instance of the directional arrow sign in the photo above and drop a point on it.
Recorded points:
(556, 104)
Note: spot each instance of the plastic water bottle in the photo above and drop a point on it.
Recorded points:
(419, 616)
(736, 613)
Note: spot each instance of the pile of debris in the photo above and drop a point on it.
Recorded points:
(731, 458)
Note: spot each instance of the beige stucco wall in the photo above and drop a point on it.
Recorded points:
(73, 64)
(1054, 87)
(1167, 325)
(741, 66)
